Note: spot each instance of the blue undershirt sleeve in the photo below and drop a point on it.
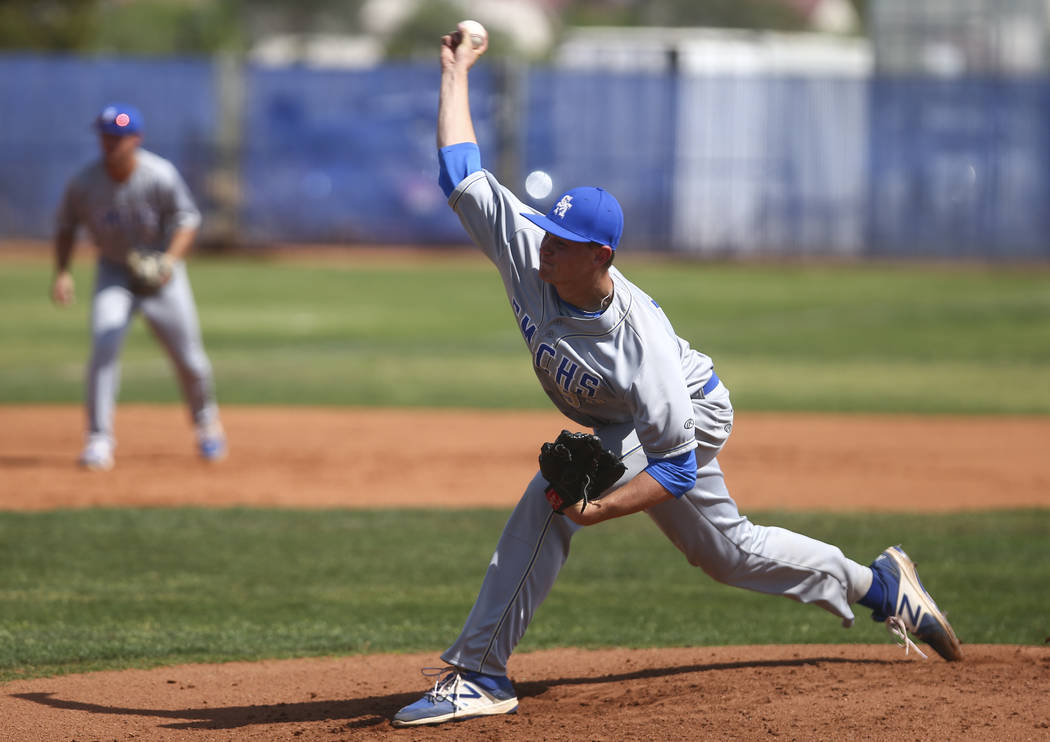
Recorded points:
(676, 474)
(456, 162)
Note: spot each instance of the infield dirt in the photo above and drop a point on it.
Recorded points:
(304, 457)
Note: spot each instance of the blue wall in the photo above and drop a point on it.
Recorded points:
(960, 168)
(708, 165)
(347, 156)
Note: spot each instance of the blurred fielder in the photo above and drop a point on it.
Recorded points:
(142, 219)
(609, 359)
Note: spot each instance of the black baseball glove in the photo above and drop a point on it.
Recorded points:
(577, 468)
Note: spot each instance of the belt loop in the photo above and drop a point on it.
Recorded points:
(709, 386)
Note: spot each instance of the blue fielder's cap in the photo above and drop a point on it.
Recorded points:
(119, 119)
(584, 214)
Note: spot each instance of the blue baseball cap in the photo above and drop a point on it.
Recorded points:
(585, 214)
(119, 119)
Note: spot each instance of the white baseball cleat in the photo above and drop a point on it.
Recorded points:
(97, 454)
(910, 608)
(459, 695)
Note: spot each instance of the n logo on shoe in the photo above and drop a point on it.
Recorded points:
(913, 615)
(467, 691)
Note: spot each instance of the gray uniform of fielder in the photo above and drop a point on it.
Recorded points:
(629, 377)
(141, 212)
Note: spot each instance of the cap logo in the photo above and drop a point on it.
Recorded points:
(563, 206)
(122, 119)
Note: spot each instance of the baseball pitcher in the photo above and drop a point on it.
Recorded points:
(608, 357)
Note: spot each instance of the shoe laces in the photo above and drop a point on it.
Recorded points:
(444, 686)
(899, 631)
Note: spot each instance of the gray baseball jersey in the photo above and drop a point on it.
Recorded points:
(625, 365)
(626, 374)
(143, 211)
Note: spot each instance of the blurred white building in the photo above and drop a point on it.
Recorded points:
(951, 38)
(709, 50)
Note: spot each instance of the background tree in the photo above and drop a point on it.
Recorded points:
(57, 25)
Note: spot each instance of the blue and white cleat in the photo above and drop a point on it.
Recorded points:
(211, 442)
(459, 695)
(909, 608)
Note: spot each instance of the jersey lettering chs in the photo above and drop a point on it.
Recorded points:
(623, 365)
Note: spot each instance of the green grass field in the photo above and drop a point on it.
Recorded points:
(92, 589)
(783, 337)
(115, 588)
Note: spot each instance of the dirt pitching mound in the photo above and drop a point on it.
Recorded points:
(802, 693)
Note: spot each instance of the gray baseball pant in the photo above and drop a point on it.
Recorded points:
(705, 524)
(172, 315)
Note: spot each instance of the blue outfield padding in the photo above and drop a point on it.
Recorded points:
(704, 164)
(960, 167)
(341, 156)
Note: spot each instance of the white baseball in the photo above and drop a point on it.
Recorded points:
(476, 31)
